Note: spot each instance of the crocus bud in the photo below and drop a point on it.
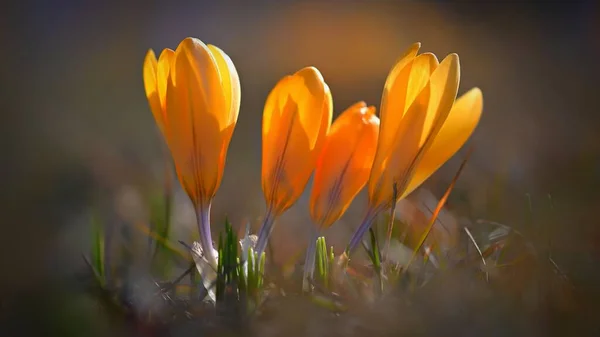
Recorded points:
(194, 94)
(296, 119)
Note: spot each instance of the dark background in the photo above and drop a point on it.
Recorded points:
(77, 129)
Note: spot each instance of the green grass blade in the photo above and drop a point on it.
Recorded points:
(98, 247)
(320, 259)
(261, 270)
(251, 271)
(376, 254)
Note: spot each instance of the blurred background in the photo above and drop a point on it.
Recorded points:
(77, 129)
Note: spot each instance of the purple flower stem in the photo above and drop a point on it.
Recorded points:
(362, 229)
(265, 232)
(203, 218)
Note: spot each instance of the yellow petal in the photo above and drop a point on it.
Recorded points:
(307, 89)
(272, 112)
(422, 68)
(393, 100)
(204, 73)
(326, 117)
(394, 168)
(230, 82)
(165, 60)
(150, 86)
(344, 163)
(394, 159)
(457, 129)
(444, 86)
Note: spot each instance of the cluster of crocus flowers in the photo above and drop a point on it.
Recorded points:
(296, 119)
(342, 170)
(194, 95)
(422, 126)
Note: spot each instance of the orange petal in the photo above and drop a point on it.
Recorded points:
(392, 164)
(230, 82)
(203, 72)
(151, 88)
(458, 127)
(444, 86)
(307, 88)
(165, 60)
(393, 100)
(296, 118)
(344, 164)
(197, 141)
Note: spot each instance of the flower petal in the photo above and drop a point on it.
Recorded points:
(392, 165)
(197, 141)
(444, 87)
(165, 60)
(393, 100)
(344, 164)
(296, 119)
(307, 89)
(460, 124)
(151, 88)
(230, 81)
(203, 71)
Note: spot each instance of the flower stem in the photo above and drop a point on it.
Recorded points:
(203, 218)
(309, 260)
(362, 229)
(265, 232)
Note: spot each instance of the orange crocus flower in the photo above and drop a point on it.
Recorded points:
(422, 126)
(194, 94)
(296, 119)
(345, 163)
(342, 170)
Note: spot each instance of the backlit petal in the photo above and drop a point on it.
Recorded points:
(393, 163)
(230, 82)
(457, 129)
(197, 142)
(150, 86)
(307, 88)
(444, 87)
(296, 118)
(203, 71)
(165, 60)
(393, 100)
(344, 164)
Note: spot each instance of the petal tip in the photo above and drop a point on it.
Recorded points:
(150, 54)
(311, 71)
(478, 96)
(453, 57)
(358, 105)
(191, 43)
(477, 91)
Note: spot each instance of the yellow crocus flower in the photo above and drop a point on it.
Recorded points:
(422, 126)
(296, 119)
(194, 94)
